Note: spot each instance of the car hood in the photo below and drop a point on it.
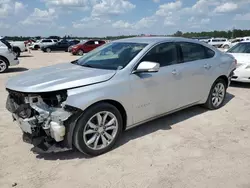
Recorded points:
(242, 58)
(58, 77)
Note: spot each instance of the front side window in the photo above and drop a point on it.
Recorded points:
(90, 42)
(111, 56)
(192, 51)
(165, 54)
(240, 48)
(46, 41)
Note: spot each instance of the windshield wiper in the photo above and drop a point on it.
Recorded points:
(74, 62)
(84, 65)
(87, 65)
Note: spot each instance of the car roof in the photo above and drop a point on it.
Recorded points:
(153, 40)
(245, 41)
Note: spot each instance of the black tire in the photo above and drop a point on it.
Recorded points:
(209, 103)
(17, 51)
(36, 47)
(78, 140)
(48, 50)
(4, 65)
(80, 52)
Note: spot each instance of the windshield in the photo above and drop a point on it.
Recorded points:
(240, 48)
(111, 56)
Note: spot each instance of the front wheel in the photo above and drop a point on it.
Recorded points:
(17, 51)
(3, 65)
(98, 129)
(217, 95)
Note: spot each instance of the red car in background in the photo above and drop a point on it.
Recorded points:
(86, 47)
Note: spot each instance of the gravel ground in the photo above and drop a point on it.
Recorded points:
(191, 148)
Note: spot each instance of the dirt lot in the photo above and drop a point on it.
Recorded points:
(192, 148)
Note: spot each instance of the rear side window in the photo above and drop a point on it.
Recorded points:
(209, 53)
(101, 42)
(192, 51)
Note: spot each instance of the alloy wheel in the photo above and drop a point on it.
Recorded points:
(100, 131)
(80, 52)
(218, 94)
(3, 66)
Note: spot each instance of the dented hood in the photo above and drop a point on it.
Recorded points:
(57, 77)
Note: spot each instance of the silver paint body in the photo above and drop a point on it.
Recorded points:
(144, 96)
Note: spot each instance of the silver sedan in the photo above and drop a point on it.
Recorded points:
(87, 104)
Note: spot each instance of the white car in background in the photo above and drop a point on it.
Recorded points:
(230, 43)
(217, 42)
(7, 56)
(241, 53)
(18, 47)
(43, 42)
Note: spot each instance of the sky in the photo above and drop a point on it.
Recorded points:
(120, 17)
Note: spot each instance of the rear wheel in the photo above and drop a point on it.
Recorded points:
(3, 65)
(36, 47)
(17, 51)
(98, 129)
(48, 50)
(217, 95)
(80, 52)
(226, 47)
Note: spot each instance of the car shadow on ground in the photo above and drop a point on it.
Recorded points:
(21, 56)
(240, 85)
(16, 69)
(163, 123)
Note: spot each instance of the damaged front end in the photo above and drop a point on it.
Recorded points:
(42, 118)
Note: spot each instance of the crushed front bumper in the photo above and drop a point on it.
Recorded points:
(42, 125)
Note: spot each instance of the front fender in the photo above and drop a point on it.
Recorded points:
(115, 90)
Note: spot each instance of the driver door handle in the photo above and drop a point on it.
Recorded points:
(207, 66)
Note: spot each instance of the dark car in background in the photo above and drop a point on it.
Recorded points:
(86, 47)
(62, 45)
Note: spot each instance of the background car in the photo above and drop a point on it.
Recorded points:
(217, 42)
(241, 53)
(62, 45)
(18, 47)
(230, 43)
(72, 46)
(7, 56)
(37, 45)
(86, 47)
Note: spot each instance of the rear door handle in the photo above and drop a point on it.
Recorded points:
(207, 66)
(174, 72)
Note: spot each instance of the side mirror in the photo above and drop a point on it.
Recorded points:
(147, 66)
